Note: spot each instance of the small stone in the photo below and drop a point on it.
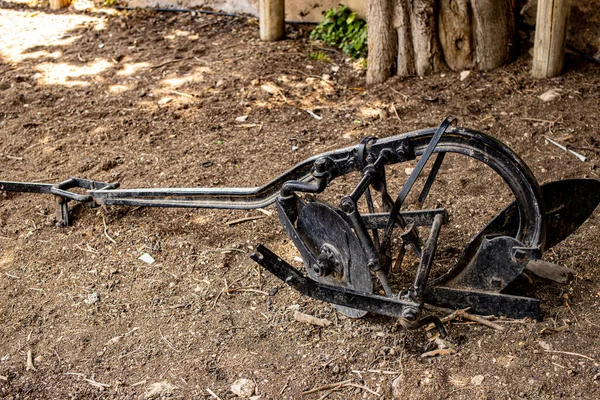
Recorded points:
(147, 258)
(242, 118)
(477, 380)
(335, 369)
(165, 100)
(273, 291)
(545, 345)
(243, 387)
(550, 95)
(101, 46)
(397, 387)
(92, 298)
(220, 83)
(464, 75)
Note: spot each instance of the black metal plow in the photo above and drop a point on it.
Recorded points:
(350, 249)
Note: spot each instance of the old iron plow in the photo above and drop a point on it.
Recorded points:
(349, 249)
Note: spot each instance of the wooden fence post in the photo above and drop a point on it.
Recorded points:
(550, 38)
(272, 19)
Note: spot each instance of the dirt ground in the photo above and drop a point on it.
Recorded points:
(151, 100)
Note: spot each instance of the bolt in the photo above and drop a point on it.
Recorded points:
(410, 314)
(347, 205)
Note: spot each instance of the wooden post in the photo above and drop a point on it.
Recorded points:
(58, 4)
(550, 38)
(272, 19)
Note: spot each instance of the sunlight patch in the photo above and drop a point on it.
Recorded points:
(195, 76)
(66, 74)
(37, 34)
(131, 68)
(116, 89)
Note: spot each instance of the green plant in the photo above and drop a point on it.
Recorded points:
(342, 28)
(319, 56)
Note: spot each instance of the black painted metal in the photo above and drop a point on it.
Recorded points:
(340, 246)
(484, 303)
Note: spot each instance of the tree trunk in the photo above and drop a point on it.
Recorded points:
(406, 56)
(424, 36)
(381, 41)
(415, 36)
(494, 22)
(455, 33)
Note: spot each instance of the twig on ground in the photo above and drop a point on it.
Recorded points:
(572, 313)
(571, 354)
(191, 96)
(98, 385)
(213, 394)
(3, 378)
(167, 341)
(309, 319)
(139, 383)
(377, 371)
(266, 212)
(363, 388)
(327, 387)
(396, 112)
(337, 389)
(241, 220)
(479, 320)
(231, 290)
(106, 231)
(438, 352)
(287, 382)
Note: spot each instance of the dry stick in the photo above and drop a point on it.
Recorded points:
(479, 320)
(241, 220)
(106, 232)
(363, 388)
(99, 385)
(245, 290)
(327, 387)
(438, 352)
(571, 354)
(330, 392)
(309, 319)
(574, 316)
(167, 341)
(595, 149)
(287, 382)
(213, 394)
(376, 371)
(396, 112)
(182, 94)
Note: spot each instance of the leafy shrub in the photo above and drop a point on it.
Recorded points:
(342, 28)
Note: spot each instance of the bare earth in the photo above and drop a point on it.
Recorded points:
(151, 100)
